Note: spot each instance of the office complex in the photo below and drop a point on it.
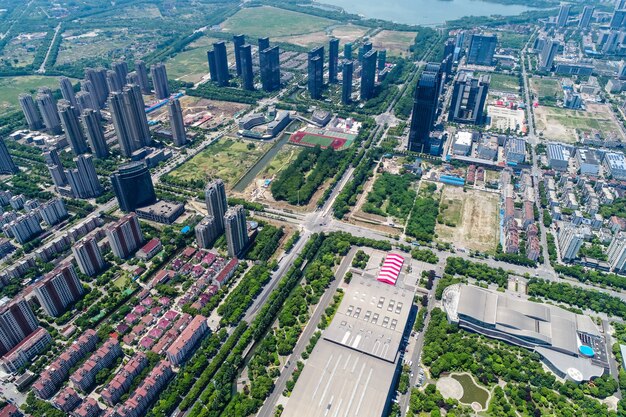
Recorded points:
(570, 240)
(88, 256)
(424, 110)
(316, 72)
(368, 74)
(238, 41)
(354, 364)
(347, 51)
(549, 51)
(125, 236)
(67, 91)
(585, 17)
(7, 166)
(269, 60)
(129, 119)
(48, 109)
(142, 75)
(568, 343)
(468, 98)
(245, 64)
(84, 180)
(216, 204)
(133, 187)
(53, 211)
(236, 230)
(221, 64)
(333, 60)
(95, 133)
(33, 118)
(17, 321)
(481, 49)
(561, 19)
(177, 124)
(73, 133)
(97, 85)
(264, 43)
(58, 289)
(206, 232)
(159, 81)
(346, 86)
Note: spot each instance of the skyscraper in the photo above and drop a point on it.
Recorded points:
(333, 60)
(84, 101)
(71, 127)
(210, 55)
(561, 19)
(84, 180)
(239, 41)
(48, 110)
(620, 4)
(270, 68)
(264, 43)
(7, 166)
(133, 187)
(121, 69)
(382, 59)
(206, 232)
(58, 289)
(436, 68)
(346, 87)
(129, 119)
(245, 64)
(132, 78)
(236, 230)
(347, 51)
(95, 133)
(424, 110)
(585, 17)
(316, 72)
(177, 123)
(67, 91)
(570, 239)
(53, 211)
(17, 321)
(368, 74)
(548, 53)
(221, 63)
(365, 48)
(53, 162)
(98, 85)
(468, 98)
(159, 80)
(142, 73)
(216, 205)
(618, 19)
(88, 256)
(113, 82)
(33, 118)
(125, 236)
(481, 50)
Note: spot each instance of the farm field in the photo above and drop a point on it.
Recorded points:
(475, 215)
(228, 159)
(345, 33)
(12, 87)
(564, 124)
(275, 22)
(395, 42)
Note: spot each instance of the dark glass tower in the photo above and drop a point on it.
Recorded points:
(424, 110)
(346, 87)
(239, 41)
(368, 75)
(347, 51)
(333, 60)
(210, 55)
(468, 98)
(270, 68)
(221, 63)
(133, 187)
(481, 49)
(245, 60)
(264, 43)
(316, 72)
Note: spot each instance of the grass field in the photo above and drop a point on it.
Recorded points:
(546, 87)
(512, 40)
(280, 161)
(122, 282)
(476, 216)
(396, 43)
(565, 124)
(228, 159)
(504, 83)
(345, 33)
(12, 87)
(274, 22)
(191, 64)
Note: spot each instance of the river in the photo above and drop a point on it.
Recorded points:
(425, 12)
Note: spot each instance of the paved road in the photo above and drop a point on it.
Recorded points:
(267, 410)
(42, 68)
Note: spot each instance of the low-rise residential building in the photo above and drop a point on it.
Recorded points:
(84, 377)
(188, 340)
(150, 249)
(89, 408)
(20, 355)
(120, 384)
(67, 400)
(147, 391)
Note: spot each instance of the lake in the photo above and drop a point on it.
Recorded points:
(425, 12)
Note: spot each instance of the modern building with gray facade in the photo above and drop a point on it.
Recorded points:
(33, 118)
(73, 132)
(269, 60)
(481, 49)
(177, 124)
(95, 133)
(316, 72)
(7, 166)
(236, 230)
(468, 98)
(133, 186)
(159, 80)
(216, 203)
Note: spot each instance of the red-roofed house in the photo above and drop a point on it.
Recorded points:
(150, 249)
(227, 272)
(188, 340)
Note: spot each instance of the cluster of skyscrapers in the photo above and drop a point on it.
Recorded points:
(269, 63)
(79, 182)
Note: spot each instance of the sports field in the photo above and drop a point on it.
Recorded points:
(338, 141)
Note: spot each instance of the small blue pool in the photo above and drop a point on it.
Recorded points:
(586, 351)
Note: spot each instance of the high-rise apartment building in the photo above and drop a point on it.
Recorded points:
(53, 211)
(468, 98)
(238, 41)
(346, 87)
(33, 118)
(236, 230)
(548, 53)
(88, 256)
(481, 49)
(85, 101)
(585, 17)
(73, 133)
(177, 123)
(561, 19)
(48, 109)
(121, 70)
(269, 60)
(368, 74)
(142, 74)
(113, 82)
(7, 166)
(97, 85)
(129, 119)
(159, 81)
(95, 133)
(216, 204)
(333, 60)
(84, 180)
(206, 232)
(58, 289)
(316, 72)
(17, 321)
(245, 64)
(570, 240)
(125, 236)
(133, 186)
(67, 91)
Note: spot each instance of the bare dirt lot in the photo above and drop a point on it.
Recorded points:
(395, 42)
(202, 112)
(345, 33)
(476, 216)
